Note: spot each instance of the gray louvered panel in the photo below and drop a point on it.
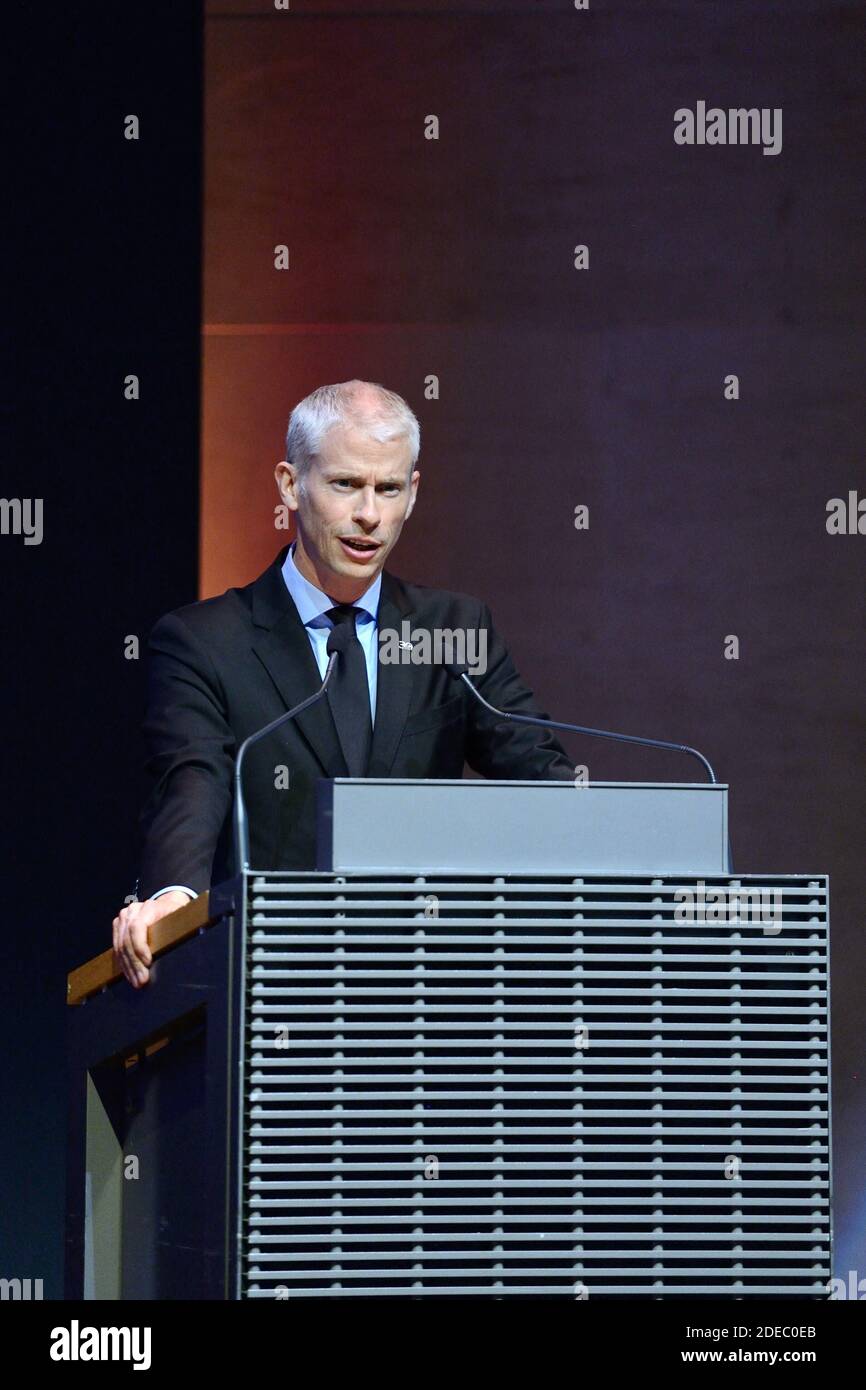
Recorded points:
(563, 1169)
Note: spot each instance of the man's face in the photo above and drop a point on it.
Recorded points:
(349, 508)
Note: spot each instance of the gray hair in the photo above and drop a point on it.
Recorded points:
(378, 412)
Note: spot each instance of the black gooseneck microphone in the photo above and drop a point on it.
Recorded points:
(337, 641)
(460, 671)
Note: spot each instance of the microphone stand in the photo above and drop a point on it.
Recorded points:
(581, 729)
(336, 644)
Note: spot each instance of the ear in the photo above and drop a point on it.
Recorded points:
(286, 477)
(413, 483)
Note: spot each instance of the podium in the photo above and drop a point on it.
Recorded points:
(508, 1040)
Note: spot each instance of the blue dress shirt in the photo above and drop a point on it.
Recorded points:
(312, 605)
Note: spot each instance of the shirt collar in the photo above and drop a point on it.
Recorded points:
(311, 602)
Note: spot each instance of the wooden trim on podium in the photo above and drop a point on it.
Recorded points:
(104, 969)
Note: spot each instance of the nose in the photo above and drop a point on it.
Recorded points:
(366, 510)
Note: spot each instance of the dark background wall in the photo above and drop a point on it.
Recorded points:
(557, 387)
(109, 272)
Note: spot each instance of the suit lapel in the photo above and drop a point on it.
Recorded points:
(283, 647)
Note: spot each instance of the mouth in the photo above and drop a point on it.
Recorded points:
(359, 547)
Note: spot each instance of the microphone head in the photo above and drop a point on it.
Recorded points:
(339, 638)
(457, 669)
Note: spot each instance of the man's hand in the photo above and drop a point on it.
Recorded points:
(130, 933)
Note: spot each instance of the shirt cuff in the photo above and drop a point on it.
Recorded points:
(174, 888)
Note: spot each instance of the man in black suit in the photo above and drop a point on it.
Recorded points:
(223, 668)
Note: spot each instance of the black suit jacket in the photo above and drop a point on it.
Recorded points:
(223, 668)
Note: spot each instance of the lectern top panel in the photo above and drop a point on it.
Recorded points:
(404, 825)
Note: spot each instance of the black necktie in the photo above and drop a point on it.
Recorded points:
(349, 696)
